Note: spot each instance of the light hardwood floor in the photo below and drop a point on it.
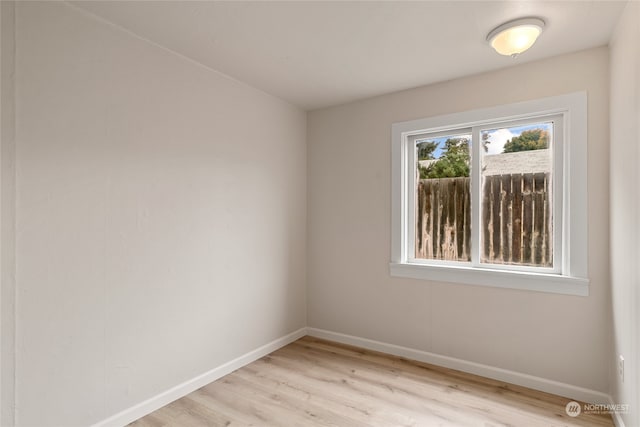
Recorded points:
(313, 382)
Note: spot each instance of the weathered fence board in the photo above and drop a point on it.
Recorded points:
(516, 219)
(443, 229)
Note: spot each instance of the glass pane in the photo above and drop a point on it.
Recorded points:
(443, 200)
(516, 212)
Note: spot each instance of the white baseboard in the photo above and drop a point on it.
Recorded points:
(525, 380)
(154, 403)
(617, 418)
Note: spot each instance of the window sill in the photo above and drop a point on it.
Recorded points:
(552, 283)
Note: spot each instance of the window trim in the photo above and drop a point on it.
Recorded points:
(572, 278)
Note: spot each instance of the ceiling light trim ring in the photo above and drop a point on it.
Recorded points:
(514, 37)
(531, 20)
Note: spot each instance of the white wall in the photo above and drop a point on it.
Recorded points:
(160, 218)
(558, 337)
(7, 212)
(625, 208)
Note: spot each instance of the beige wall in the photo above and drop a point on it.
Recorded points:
(558, 337)
(625, 208)
(160, 218)
(7, 212)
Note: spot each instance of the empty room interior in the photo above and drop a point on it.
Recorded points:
(319, 213)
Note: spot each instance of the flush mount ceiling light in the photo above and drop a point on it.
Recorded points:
(514, 37)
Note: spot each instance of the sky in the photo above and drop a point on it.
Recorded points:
(497, 137)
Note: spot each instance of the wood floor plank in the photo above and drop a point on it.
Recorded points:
(352, 395)
(389, 395)
(313, 382)
(511, 395)
(345, 400)
(409, 393)
(482, 391)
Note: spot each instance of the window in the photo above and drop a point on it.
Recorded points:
(494, 197)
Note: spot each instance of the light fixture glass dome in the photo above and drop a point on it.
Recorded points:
(514, 37)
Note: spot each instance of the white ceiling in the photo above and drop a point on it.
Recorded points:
(320, 53)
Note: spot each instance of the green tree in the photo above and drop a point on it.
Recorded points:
(534, 139)
(426, 149)
(454, 162)
(485, 141)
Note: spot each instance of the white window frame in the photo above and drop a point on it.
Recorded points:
(569, 274)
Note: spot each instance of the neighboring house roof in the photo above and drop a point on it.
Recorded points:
(427, 163)
(532, 161)
(519, 162)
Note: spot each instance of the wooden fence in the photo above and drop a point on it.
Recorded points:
(516, 219)
(443, 219)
